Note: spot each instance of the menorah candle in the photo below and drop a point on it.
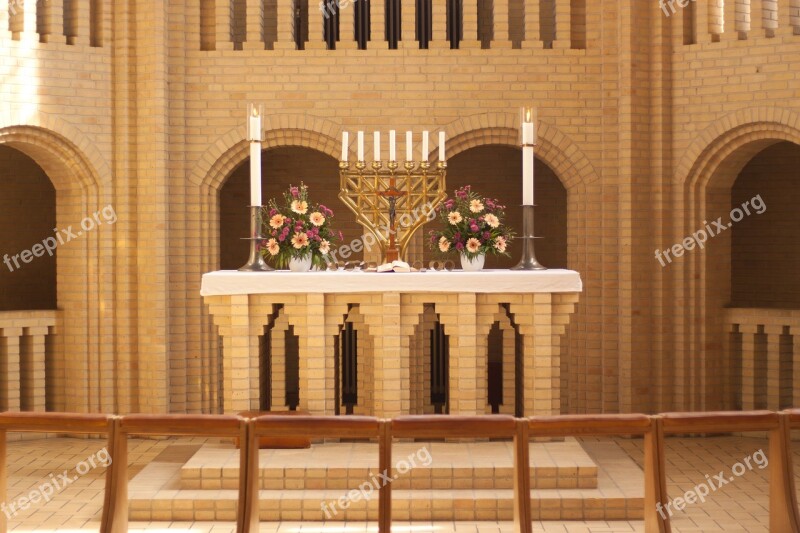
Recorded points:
(377, 153)
(424, 146)
(441, 146)
(360, 145)
(345, 146)
(392, 146)
(409, 141)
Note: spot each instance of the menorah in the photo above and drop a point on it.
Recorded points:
(392, 200)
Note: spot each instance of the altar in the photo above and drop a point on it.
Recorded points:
(351, 342)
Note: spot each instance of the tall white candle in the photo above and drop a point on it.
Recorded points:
(255, 173)
(345, 146)
(360, 145)
(377, 154)
(392, 146)
(441, 146)
(527, 175)
(409, 146)
(424, 146)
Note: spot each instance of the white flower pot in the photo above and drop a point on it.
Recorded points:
(473, 265)
(300, 265)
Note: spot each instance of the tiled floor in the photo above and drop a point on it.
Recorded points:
(741, 505)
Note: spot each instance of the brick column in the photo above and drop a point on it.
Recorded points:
(748, 366)
(377, 23)
(254, 39)
(408, 25)
(742, 16)
(223, 15)
(469, 23)
(501, 35)
(237, 350)
(316, 35)
(729, 10)
(533, 32)
(29, 20)
(794, 16)
(563, 23)
(461, 320)
(391, 378)
(773, 366)
(347, 24)
(9, 369)
(32, 371)
(439, 23)
(80, 23)
(313, 382)
(769, 15)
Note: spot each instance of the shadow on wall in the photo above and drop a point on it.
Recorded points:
(496, 171)
(765, 249)
(27, 217)
(281, 167)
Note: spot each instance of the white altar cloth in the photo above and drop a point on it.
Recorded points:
(230, 282)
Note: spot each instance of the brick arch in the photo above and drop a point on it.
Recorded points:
(554, 147)
(231, 149)
(705, 176)
(85, 293)
(68, 163)
(749, 130)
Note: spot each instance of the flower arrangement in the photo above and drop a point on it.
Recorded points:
(297, 229)
(473, 226)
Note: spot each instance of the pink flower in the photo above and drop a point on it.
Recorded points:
(492, 220)
(500, 244)
(324, 246)
(273, 247)
(476, 206)
(295, 192)
(473, 245)
(444, 244)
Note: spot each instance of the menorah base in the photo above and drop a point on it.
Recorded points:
(392, 254)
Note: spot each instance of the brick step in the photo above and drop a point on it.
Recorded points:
(475, 465)
(156, 494)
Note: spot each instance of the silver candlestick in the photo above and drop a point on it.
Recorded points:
(528, 261)
(256, 262)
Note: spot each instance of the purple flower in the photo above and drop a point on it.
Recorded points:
(273, 212)
(490, 204)
(473, 227)
(461, 194)
(282, 237)
(449, 204)
(486, 235)
(310, 234)
(457, 236)
(459, 246)
(295, 192)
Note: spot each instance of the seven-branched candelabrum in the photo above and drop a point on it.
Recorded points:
(297, 229)
(473, 226)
